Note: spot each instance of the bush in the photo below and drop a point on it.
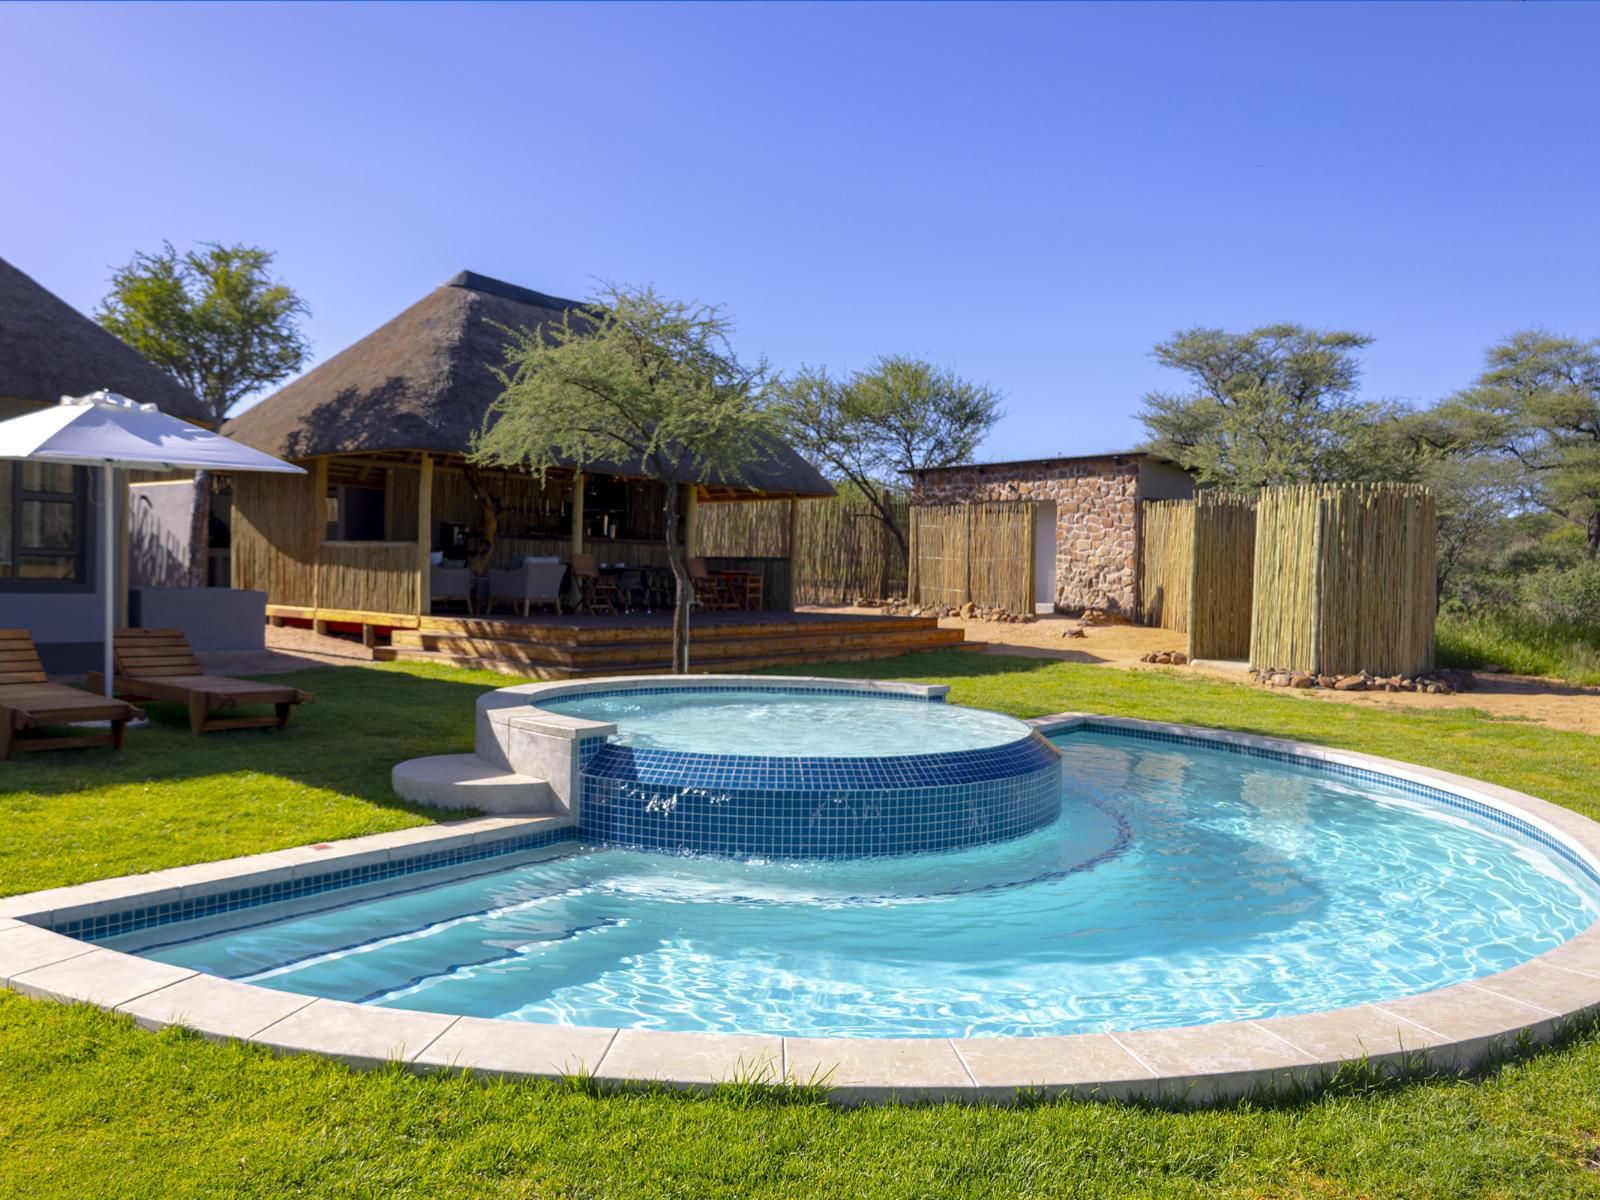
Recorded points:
(1569, 596)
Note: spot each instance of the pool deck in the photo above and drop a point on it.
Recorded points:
(1452, 1028)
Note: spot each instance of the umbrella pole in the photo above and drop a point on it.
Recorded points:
(108, 560)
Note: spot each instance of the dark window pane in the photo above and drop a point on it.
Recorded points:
(38, 566)
(47, 525)
(47, 477)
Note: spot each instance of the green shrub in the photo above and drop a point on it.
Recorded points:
(1565, 596)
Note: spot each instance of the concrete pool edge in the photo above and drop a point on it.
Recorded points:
(1452, 1028)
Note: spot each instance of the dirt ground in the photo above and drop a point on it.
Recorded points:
(1511, 697)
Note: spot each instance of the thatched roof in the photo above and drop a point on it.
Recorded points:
(422, 383)
(48, 349)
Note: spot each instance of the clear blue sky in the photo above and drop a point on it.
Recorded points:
(1033, 195)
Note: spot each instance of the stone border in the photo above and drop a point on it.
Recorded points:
(1452, 1028)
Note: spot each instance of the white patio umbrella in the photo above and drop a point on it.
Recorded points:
(109, 431)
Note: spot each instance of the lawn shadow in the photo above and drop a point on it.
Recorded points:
(363, 720)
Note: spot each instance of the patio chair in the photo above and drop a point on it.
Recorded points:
(28, 700)
(537, 581)
(711, 591)
(449, 583)
(635, 590)
(597, 593)
(157, 664)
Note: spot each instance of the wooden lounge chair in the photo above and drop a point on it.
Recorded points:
(157, 664)
(28, 699)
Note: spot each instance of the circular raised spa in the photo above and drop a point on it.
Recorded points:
(785, 770)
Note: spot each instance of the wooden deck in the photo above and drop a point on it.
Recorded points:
(573, 647)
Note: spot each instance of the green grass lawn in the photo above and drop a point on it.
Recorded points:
(91, 1107)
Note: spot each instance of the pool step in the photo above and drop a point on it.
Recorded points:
(467, 781)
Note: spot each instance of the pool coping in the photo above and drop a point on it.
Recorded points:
(1452, 1028)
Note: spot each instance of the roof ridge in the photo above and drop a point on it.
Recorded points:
(474, 282)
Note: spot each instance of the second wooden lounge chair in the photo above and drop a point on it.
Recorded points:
(28, 699)
(157, 664)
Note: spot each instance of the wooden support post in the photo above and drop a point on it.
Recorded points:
(424, 533)
(577, 512)
(691, 521)
(369, 636)
(319, 501)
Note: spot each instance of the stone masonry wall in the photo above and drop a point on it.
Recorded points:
(1097, 550)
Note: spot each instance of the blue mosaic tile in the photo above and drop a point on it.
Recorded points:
(107, 925)
(790, 807)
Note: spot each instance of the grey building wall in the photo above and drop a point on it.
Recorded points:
(1164, 481)
(160, 532)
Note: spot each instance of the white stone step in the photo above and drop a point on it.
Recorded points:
(467, 781)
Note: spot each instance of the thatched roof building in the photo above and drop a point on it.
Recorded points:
(422, 382)
(48, 349)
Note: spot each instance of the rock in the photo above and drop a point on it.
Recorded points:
(1179, 658)
(1280, 680)
(1326, 681)
(1350, 683)
(1301, 680)
(1074, 633)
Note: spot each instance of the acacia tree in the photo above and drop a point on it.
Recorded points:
(215, 320)
(635, 379)
(901, 414)
(1537, 403)
(1278, 404)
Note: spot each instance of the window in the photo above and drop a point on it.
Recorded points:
(41, 525)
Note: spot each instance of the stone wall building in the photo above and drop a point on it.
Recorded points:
(1088, 557)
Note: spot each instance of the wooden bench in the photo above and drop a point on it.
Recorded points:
(157, 664)
(28, 699)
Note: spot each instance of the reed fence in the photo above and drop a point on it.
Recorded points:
(1222, 593)
(1196, 570)
(375, 577)
(982, 553)
(1166, 563)
(842, 551)
(277, 531)
(1344, 579)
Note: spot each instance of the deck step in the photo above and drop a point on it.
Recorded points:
(619, 655)
(699, 664)
(467, 781)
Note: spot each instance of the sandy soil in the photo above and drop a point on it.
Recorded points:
(1510, 697)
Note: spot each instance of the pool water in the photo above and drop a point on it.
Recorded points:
(791, 723)
(1179, 886)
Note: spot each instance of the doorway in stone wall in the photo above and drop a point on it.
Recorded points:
(1044, 556)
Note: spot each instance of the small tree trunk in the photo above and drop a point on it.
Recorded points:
(1594, 534)
(683, 590)
(200, 531)
(489, 510)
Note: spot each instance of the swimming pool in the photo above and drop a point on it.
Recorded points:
(1181, 884)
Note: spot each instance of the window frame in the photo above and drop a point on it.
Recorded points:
(83, 570)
